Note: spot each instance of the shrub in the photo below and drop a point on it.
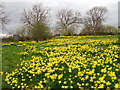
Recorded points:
(40, 31)
(107, 29)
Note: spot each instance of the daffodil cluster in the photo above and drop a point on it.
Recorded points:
(68, 62)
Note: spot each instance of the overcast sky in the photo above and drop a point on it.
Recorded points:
(14, 8)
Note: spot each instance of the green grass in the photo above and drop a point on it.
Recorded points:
(10, 59)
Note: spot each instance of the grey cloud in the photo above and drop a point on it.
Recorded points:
(14, 10)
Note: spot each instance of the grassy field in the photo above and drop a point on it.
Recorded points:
(62, 62)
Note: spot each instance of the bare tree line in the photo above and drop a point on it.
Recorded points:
(94, 19)
(67, 19)
(3, 17)
(38, 13)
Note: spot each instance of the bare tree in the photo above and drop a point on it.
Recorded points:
(94, 19)
(22, 31)
(68, 18)
(36, 20)
(3, 17)
(38, 13)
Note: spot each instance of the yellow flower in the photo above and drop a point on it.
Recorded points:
(45, 81)
(83, 79)
(65, 86)
(112, 74)
(91, 72)
(108, 83)
(22, 86)
(37, 87)
(29, 76)
(101, 78)
(47, 74)
(101, 86)
(49, 88)
(114, 78)
(116, 56)
(18, 86)
(86, 84)
(82, 84)
(23, 79)
(86, 77)
(65, 82)
(92, 86)
(59, 81)
(80, 74)
(78, 84)
(71, 81)
(110, 68)
(14, 81)
(103, 70)
(96, 85)
(60, 76)
(116, 69)
(13, 87)
(70, 70)
(62, 86)
(15, 84)
(1, 73)
(71, 86)
(117, 85)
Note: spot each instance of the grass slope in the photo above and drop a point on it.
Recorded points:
(15, 53)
